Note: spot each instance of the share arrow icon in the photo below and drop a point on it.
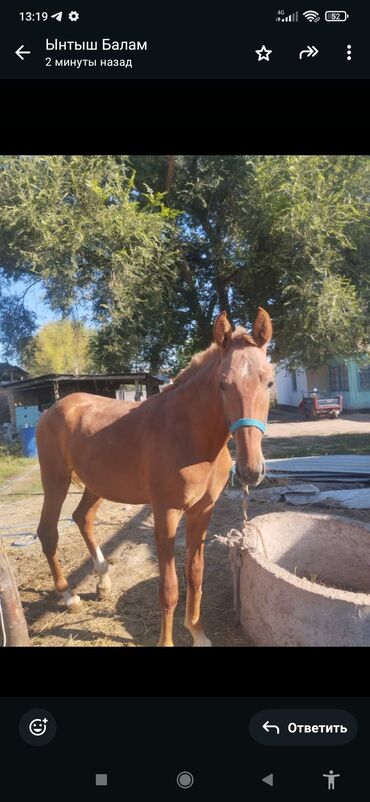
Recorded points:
(311, 51)
(57, 16)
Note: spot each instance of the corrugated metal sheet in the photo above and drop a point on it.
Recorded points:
(339, 467)
(348, 463)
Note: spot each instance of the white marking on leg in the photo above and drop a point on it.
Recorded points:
(101, 568)
(100, 565)
(70, 598)
(200, 639)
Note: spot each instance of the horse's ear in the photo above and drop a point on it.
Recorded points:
(262, 328)
(222, 330)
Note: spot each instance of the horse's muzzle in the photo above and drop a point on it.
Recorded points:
(249, 476)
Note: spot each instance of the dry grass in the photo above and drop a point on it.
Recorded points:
(130, 616)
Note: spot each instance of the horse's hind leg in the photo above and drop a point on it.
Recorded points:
(196, 531)
(55, 489)
(84, 516)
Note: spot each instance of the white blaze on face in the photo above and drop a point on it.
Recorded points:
(244, 369)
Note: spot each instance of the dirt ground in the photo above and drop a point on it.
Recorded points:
(283, 423)
(130, 617)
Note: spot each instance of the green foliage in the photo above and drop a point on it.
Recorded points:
(76, 224)
(61, 347)
(155, 246)
(325, 316)
(11, 461)
(290, 233)
(17, 325)
(9, 451)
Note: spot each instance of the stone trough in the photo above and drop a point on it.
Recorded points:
(303, 579)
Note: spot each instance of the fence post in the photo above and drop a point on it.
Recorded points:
(11, 614)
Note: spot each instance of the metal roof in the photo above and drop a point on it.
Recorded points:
(50, 378)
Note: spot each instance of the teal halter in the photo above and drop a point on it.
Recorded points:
(247, 422)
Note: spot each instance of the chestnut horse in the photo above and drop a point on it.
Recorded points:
(169, 451)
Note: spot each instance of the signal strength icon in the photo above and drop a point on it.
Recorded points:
(311, 16)
(290, 18)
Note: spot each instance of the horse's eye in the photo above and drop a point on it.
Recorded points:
(224, 386)
(270, 384)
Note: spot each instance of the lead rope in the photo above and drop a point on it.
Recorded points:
(245, 539)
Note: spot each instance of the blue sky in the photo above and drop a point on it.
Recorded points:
(34, 300)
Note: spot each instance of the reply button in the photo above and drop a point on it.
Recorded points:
(303, 727)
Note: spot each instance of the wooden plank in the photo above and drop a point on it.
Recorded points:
(11, 614)
(11, 408)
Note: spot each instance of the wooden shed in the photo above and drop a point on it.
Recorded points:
(40, 392)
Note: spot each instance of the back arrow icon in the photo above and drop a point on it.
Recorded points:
(311, 51)
(267, 726)
(20, 52)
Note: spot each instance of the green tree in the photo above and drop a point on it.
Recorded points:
(314, 224)
(75, 225)
(17, 325)
(59, 347)
(290, 233)
(155, 246)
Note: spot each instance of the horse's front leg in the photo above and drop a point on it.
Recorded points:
(166, 522)
(196, 532)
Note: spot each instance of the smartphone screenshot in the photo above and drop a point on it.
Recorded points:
(184, 401)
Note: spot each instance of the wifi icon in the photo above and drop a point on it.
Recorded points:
(311, 16)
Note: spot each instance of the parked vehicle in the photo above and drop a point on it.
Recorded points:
(318, 404)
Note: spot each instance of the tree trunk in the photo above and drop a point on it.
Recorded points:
(224, 300)
(11, 613)
(170, 173)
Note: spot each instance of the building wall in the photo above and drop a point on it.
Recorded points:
(285, 394)
(357, 398)
(354, 398)
(26, 416)
(319, 378)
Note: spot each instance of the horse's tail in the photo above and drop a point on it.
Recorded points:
(76, 480)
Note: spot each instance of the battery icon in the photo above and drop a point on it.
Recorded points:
(336, 16)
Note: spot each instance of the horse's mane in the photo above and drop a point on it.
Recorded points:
(211, 354)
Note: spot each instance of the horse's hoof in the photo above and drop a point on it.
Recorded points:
(165, 645)
(102, 593)
(202, 641)
(75, 606)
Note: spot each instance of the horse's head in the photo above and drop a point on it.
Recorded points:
(245, 378)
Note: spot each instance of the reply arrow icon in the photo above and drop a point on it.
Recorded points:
(267, 727)
(311, 51)
(21, 53)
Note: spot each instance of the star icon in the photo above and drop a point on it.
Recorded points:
(263, 54)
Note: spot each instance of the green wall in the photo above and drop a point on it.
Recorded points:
(354, 398)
